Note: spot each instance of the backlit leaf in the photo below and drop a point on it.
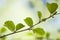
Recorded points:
(2, 30)
(30, 34)
(52, 7)
(47, 35)
(39, 31)
(28, 21)
(4, 38)
(39, 38)
(10, 25)
(39, 14)
(19, 26)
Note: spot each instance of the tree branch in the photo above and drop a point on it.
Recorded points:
(31, 26)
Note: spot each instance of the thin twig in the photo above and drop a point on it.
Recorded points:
(58, 14)
(31, 26)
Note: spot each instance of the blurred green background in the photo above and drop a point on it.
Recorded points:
(18, 10)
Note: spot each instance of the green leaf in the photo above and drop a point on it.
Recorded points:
(30, 34)
(47, 35)
(28, 21)
(39, 14)
(39, 38)
(39, 31)
(10, 25)
(58, 39)
(4, 38)
(52, 7)
(19, 26)
(2, 30)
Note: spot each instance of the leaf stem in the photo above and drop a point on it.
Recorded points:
(30, 27)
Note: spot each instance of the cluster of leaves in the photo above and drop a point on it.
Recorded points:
(11, 26)
(52, 7)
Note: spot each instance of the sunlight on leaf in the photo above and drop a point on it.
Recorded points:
(52, 7)
(39, 14)
(2, 30)
(29, 34)
(19, 26)
(39, 38)
(4, 38)
(10, 25)
(28, 21)
(47, 35)
(39, 31)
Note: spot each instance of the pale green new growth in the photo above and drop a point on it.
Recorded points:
(28, 21)
(39, 31)
(52, 7)
(29, 34)
(19, 26)
(10, 25)
(4, 38)
(47, 35)
(2, 30)
(39, 15)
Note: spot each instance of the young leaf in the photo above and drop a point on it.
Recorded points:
(4, 38)
(39, 14)
(52, 7)
(29, 34)
(47, 35)
(10, 25)
(28, 21)
(39, 38)
(39, 31)
(19, 26)
(2, 30)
